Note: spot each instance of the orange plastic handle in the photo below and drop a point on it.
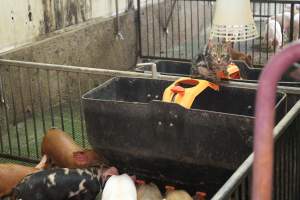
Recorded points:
(178, 90)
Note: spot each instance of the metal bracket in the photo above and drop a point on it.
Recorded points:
(153, 68)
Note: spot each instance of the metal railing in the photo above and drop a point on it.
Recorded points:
(286, 166)
(37, 96)
(173, 29)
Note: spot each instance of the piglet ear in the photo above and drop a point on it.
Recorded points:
(80, 158)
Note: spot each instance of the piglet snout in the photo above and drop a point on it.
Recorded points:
(119, 187)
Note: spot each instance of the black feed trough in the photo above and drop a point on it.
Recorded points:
(195, 149)
(249, 74)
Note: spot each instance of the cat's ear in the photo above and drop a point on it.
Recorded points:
(209, 44)
(229, 46)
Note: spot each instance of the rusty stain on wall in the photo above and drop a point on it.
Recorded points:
(62, 13)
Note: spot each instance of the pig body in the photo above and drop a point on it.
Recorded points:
(119, 187)
(273, 35)
(284, 20)
(11, 175)
(178, 195)
(296, 27)
(148, 192)
(236, 55)
(60, 184)
(62, 151)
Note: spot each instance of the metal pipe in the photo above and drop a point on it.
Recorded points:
(153, 68)
(86, 70)
(264, 120)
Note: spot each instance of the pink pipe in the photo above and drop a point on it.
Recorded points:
(264, 120)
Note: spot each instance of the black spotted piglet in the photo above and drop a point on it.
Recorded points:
(62, 183)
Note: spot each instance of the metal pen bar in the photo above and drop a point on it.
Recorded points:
(33, 112)
(185, 32)
(24, 111)
(15, 120)
(153, 29)
(69, 93)
(50, 98)
(159, 27)
(41, 102)
(166, 37)
(147, 29)
(239, 175)
(80, 110)
(178, 25)
(60, 101)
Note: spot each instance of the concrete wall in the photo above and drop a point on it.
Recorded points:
(24, 21)
(92, 44)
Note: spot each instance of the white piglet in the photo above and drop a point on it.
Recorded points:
(284, 19)
(119, 188)
(272, 34)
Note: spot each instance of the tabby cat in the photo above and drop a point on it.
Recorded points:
(215, 58)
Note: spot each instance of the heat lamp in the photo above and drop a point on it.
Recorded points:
(233, 21)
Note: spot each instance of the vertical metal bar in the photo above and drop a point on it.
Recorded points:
(39, 86)
(298, 25)
(260, 32)
(211, 14)
(6, 114)
(192, 39)
(24, 112)
(185, 33)
(60, 102)
(172, 26)
(285, 169)
(50, 98)
(33, 114)
(243, 190)
(153, 29)
(178, 18)
(67, 74)
(292, 22)
(159, 27)
(294, 160)
(14, 109)
(2, 103)
(268, 31)
(139, 24)
(253, 58)
(147, 29)
(287, 186)
(297, 122)
(277, 171)
(283, 24)
(282, 175)
(166, 35)
(198, 26)
(204, 21)
(275, 24)
(81, 112)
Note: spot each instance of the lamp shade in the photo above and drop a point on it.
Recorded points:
(233, 20)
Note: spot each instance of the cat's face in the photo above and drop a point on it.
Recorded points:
(218, 55)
